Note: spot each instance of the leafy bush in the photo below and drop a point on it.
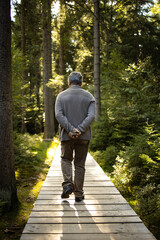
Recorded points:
(149, 206)
(106, 159)
(141, 159)
(100, 134)
(30, 153)
(137, 174)
(126, 139)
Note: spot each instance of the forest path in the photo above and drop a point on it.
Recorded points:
(103, 215)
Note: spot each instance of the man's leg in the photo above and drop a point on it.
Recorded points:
(81, 150)
(66, 163)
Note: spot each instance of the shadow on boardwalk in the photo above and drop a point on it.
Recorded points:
(78, 227)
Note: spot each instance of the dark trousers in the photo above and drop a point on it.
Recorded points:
(76, 151)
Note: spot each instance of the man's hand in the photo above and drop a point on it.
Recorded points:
(75, 134)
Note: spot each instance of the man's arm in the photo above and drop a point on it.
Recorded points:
(89, 118)
(63, 121)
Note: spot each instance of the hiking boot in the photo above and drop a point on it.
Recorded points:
(79, 199)
(67, 191)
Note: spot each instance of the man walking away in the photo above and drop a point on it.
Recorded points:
(75, 111)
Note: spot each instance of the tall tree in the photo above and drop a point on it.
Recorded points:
(61, 44)
(49, 129)
(8, 192)
(97, 59)
(23, 50)
(26, 68)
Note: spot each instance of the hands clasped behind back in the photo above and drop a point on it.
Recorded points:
(74, 135)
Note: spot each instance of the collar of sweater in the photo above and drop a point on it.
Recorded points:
(75, 86)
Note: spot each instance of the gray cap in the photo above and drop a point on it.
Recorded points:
(75, 78)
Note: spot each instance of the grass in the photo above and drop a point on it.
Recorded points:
(33, 158)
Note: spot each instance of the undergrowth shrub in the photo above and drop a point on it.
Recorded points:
(106, 159)
(29, 150)
(149, 206)
(137, 175)
(140, 161)
(100, 137)
(33, 158)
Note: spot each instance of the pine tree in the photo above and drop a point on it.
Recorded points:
(61, 42)
(8, 192)
(49, 129)
(97, 60)
(23, 50)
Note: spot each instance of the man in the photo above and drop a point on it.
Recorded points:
(75, 111)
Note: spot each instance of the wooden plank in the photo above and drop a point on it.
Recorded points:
(86, 228)
(87, 196)
(58, 193)
(87, 181)
(62, 220)
(58, 176)
(86, 184)
(100, 236)
(91, 189)
(55, 180)
(87, 171)
(87, 177)
(93, 213)
(86, 202)
(89, 168)
(87, 174)
(79, 207)
(108, 191)
(98, 198)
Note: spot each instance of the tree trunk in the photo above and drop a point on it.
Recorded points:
(23, 50)
(38, 84)
(137, 49)
(61, 45)
(97, 60)
(8, 192)
(49, 129)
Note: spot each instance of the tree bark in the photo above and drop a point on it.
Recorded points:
(23, 50)
(8, 192)
(97, 60)
(49, 128)
(61, 45)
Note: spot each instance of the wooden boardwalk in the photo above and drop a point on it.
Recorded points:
(103, 215)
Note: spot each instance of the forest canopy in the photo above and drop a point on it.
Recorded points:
(129, 37)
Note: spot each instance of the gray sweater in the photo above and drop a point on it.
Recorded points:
(75, 108)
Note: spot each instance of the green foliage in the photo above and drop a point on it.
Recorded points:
(126, 139)
(149, 206)
(99, 134)
(73, 32)
(109, 156)
(26, 69)
(17, 68)
(106, 159)
(3, 204)
(33, 157)
(139, 161)
(127, 96)
(103, 144)
(29, 152)
(137, 91)
(137, 174)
